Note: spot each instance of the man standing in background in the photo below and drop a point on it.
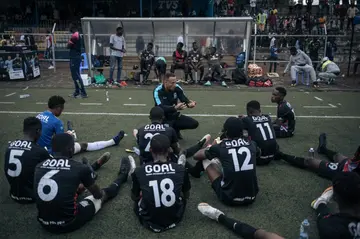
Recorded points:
(48, 50)
(74, 45)
(117, 46)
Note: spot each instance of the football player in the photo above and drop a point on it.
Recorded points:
(147, 59)
(51, 125)
(260, 130)
(21, 158)
(239, 228)
(284, 125)
(160, 188)
(346, 223)
(195, 62)
(56, 182)
(338, 162)
(237, 183)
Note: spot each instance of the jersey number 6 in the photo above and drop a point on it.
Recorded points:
(50, 184)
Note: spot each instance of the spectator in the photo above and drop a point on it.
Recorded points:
(314, 47)
(48, 49)
(309, 5)
(273, 57)
(291, 6)
(118, 48)
(332, 7)
(357, 60)
(331, 48)
(253, 7)
(351, 13)
(272, 22)
(328, 70)
(261, 21)
(322, 22)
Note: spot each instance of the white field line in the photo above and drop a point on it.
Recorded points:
(318, 107)
(191, 115)
(319, 99)
(268, 106)
(332, 106)
(223, 105)
(90, 103)
(134, 104)
(27, 87)
(10, 94)
(41, 103)
(7, 103)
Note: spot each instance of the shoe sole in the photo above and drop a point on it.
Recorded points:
(135, 132)
(132, 164)
(325, 191)
(207, 137)
(104, 158)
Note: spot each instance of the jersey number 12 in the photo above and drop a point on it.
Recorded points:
(246, 165)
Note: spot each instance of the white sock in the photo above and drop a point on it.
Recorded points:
(99, 145)
(206, 163)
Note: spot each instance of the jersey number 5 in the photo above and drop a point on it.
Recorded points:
(266, 125)
(246, 165)
(50, 185)
(149, 136)
(167, 192)
(13, 159)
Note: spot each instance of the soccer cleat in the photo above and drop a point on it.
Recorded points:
(51, 67)
(123, 84)
(74, 95)
(132, 164)
(119, 137)
(135, 132)
(208, 83)
(209, 211)
(125, 166)
(205, 140)
(324, 198)
(223, 83)
(182, 160)
(322, 143)
(103, 159)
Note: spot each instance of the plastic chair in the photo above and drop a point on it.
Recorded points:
(302, 78)
(84, 66)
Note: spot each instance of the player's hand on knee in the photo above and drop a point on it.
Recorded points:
(192, 104)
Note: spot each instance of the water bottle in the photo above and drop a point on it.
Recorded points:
(311, 153)
(107, 95)
(304, 228)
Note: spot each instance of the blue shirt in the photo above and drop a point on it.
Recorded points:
(50, 125)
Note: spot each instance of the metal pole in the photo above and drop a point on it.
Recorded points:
(89, 48)
(248, 44)
(53, 46)
(255, 44)
(326, 40)
(151, 8)
(351, 47)
(141, 9)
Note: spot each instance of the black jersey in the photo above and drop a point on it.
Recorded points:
(145, 135)
(148, 56)
(238, 159)
(21, 158)
(55, 184)
(214, 59)
(287, 114)
(194, 56)
(162, 186)
(261, 130)
(339, 225)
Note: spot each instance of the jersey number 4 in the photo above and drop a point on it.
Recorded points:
(13, 159)
(149, 136)
(246, 165)
(167, 197)
(261, 128)
(50, 185)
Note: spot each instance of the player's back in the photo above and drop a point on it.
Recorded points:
(339, 225)
(287, 113)
(56, 182)
(238, 159)
(261, 130)
(162, 186)
(21, 158)
(50, 125)
(147, 132)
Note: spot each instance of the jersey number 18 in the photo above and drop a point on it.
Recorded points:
(167, 197)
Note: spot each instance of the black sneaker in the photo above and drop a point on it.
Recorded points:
(74, 95)
(84, 96)
(322, 143)
(125, 166)
(85, 161)
(195, 171)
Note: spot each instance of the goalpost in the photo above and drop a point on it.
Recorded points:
(231, 35)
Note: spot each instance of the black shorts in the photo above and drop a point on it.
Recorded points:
(216, 185)
(281, 132)
(160, 67)
(86, 211)
(329, 170)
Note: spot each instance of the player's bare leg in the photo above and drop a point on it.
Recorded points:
(98, 145)
(212, 169)
(240, 228)
(330, 154)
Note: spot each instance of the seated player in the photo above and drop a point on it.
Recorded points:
(237, 185)
(180, 60)
(56, 182)
(21, 158)
(160, 68)
(338, 163)
(160, 188)
(284, 125)
(260, 130)
(147, 61)
(239, 228)
(171, 98)
(216, 71)
(52, 125)
(195, 62)
(345, 224)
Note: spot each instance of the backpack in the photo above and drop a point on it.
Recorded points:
(239, 76)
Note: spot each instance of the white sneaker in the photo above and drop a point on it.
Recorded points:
(51, 67)
(207, 140)
(135, 132)
(324, 198)
(209, 211)
(182, 160)
(133, 164)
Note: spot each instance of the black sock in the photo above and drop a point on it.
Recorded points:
(95, 166)
(322, 210)
(242, 229)
(113, 189)
(193, 149)
(329, 153)
(196, 170)
(293, 160)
